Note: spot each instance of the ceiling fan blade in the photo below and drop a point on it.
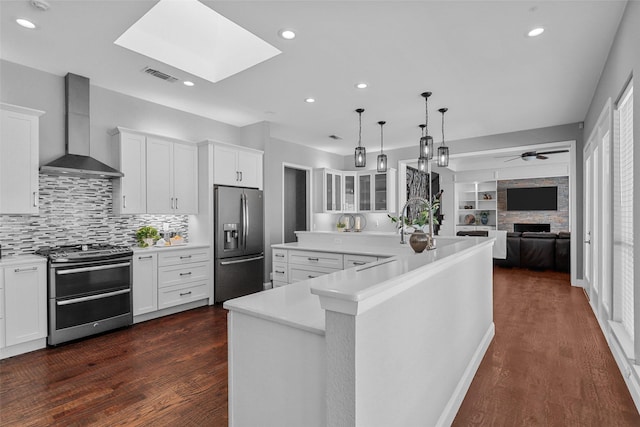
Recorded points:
(541, 157)
(553, 152)
(514, 158)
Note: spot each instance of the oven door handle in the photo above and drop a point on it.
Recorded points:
(93, 297)
(94, 268)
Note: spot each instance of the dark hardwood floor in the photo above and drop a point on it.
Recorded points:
(548, 365)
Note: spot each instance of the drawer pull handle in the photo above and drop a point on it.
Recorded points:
(279, 272)
(312, 259)
(280, 255)
(185, 293)
(311, 277)
(185, 257)
(145, 257)
(359, 263)
(22, 270)
(186, 274)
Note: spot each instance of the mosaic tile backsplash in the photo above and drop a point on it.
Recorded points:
(77, 210)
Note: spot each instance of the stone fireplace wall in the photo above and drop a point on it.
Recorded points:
(559, 219)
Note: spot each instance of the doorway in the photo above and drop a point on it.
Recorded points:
(296, 201)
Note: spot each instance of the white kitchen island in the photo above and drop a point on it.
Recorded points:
(394, 342)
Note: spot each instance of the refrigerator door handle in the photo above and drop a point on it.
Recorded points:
(246, 219)
(242, 260)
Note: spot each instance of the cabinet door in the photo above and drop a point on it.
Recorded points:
(328, 192)
(337, 192)
(25, 303)
(18, 163)
(159, 176)
(364, 192)
(380, 192)
(225, 166)
(130, 191)
(349, 191)
(250, 168)
(185, 179)
(145, 283)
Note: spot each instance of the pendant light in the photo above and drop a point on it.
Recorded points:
(443, 150)
(422, 161)
(426, 142)
(360, 155)
(382, 158)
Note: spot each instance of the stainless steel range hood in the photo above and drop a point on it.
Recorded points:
(77, 161)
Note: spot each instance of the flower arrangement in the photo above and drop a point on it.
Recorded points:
(421, 219)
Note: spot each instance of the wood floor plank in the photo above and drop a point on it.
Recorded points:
(548, 365)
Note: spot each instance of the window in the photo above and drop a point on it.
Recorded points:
(623, 274)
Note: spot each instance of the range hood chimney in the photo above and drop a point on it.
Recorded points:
(76, 161)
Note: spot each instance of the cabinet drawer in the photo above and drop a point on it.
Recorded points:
(356, 260)
(279, 255)
(280, 272)
(174, 275)
(182, 256)
(181, 294)
(322, 259)
(298, 273)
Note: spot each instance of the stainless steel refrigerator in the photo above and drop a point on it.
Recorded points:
(239, 242)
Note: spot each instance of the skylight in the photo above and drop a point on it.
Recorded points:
(194, 38)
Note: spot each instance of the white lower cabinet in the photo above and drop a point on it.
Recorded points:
(145, 283)
(23, 307)
(294, 265)
(169, 278)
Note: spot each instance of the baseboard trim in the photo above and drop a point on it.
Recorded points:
(455, 401)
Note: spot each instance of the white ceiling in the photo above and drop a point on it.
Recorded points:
(473, 55)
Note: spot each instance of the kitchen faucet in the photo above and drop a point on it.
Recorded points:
(430, 216)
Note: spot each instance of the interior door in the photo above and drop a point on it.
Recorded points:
(588, 222)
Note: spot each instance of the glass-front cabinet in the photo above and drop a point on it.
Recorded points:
(364, 192)
(351, 192)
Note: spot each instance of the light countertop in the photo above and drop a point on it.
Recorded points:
(137, 249)
(298, 305)
(21, 259)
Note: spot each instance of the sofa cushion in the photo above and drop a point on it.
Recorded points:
(564, 235)
(538, 253)
(514, 234)
(539, 235)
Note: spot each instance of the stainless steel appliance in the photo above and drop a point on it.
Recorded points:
(239, 242)
(89, 288)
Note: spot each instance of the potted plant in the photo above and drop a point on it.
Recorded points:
(147, 235)
(420, 221)
(341, 225)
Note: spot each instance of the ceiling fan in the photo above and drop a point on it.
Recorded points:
(531, 155)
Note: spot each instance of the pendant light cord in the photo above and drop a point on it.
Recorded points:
(381, 136)
(359, 128)
(443, 128)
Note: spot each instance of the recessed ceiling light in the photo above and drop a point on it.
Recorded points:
(535, 32)
(310, 100)
(362, 85)
(188, 83)
(26, 23)
(287, 34)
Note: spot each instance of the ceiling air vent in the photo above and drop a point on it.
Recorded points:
(159, 74)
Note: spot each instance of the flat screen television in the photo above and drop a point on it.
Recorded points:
(532, 199)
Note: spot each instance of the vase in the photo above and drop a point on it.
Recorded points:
(148, 241)
(419, 240)
(484, 219)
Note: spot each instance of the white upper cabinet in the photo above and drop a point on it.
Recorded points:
(19, 151)
(349, 191)
(237, 166)
(172, 177)
(130, 191)
(328, 191)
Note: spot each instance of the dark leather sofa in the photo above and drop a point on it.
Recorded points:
(538, 251)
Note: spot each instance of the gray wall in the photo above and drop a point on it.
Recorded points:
(31, 88)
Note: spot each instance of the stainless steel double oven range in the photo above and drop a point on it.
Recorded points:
(89, 289)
